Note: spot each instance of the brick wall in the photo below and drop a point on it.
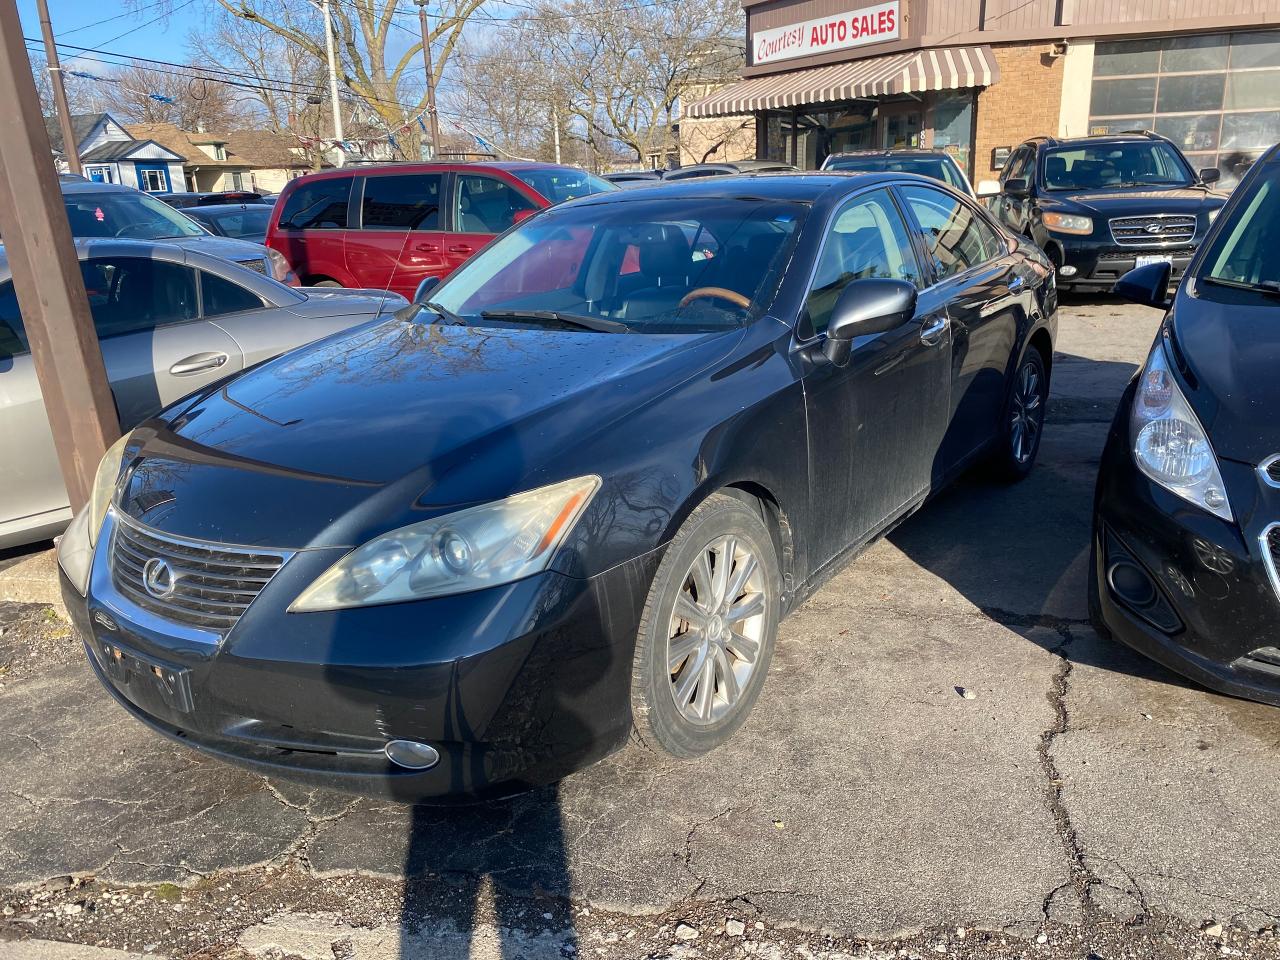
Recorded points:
(1023, 103)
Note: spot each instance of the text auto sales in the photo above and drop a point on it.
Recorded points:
(869, 25)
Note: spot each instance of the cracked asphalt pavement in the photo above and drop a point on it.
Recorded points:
(1081, 800)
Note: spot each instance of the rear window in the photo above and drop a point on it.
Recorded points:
(318, 205)
(937, 168)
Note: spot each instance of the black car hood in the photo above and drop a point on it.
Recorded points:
(1136, 202)
(416, 415)
(1228, 351)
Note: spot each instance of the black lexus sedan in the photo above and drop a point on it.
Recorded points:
(568, 493)
(1187, 513)
(1101, 206)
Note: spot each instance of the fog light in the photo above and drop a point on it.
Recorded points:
(1067, 271)
(411, 755)
(1131, 584)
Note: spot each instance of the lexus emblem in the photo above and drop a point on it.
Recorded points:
(158, 578)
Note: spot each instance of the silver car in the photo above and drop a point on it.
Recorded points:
(169, 321)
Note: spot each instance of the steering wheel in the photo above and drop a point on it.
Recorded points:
(716, 293)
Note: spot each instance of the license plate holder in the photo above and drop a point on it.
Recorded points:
(1150, 259)
(145, 679)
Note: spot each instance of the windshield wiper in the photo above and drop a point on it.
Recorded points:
(448, 314)
(1270, 287)
(598, 324)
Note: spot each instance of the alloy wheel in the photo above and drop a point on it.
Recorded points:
(717, 625)
(1027, 413)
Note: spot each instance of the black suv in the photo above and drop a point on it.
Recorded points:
(1100, 206)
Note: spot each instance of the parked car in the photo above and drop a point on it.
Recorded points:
(209, 199)
(170, 320)
(937, 164)
(1100, 206)
(390, 226)
(696, 171)
(1186, 531)
(106, 210)
(634, 178)
(573, 491)
(245, 221)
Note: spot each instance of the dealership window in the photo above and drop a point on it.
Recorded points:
(1215, 96)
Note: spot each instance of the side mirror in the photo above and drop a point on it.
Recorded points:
(1148, 286)
(423, 293)
(521, 215)
(865, 307)
(988, 188)
(1210, 175)
(1017, 187)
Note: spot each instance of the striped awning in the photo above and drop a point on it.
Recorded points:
(950, 68)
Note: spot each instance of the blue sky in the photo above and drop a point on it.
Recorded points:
(144, 34)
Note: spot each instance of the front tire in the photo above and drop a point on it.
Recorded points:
(1023, 421)
(708, 630)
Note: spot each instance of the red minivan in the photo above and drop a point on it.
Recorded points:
(391, 225)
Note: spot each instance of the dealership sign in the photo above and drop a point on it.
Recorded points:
(839, 31)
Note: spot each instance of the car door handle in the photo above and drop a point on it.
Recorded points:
(932, 332)
(461, 248)
(426, 247)
(198, 363)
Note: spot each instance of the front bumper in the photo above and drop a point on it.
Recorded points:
(1211, 612)
(514, 686)
(1098, 264)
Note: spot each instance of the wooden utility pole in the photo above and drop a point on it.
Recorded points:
(69, 145)
(46, 275)
(431, 78)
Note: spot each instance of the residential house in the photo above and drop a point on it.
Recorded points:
(110, 154)
(255, 160)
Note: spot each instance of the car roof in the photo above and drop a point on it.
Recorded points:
(803, 186)
(226, 208)
(431, 166)
(87, 247)
(1143, 136)
(93, 186)
(903, 152)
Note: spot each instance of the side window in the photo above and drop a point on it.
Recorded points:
(486, 204)
(867, 239)
(132, 294)
(410, 202)
(319, 205)
(221, 296)
(13, 336)
(1018, 166)
(955, 236)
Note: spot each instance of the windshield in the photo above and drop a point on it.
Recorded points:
(561, 184)
(128, 214)
(241, 222)
(1246, 251)
(936, 167)
(654, 265)
(1113, 165)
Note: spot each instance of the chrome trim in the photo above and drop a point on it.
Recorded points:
(212, 614)
(1264, 541)
(1139, 243)
(1264, 476)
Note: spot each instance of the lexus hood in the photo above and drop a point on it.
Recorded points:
(416, 416)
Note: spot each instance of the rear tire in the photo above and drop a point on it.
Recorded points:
(708, 630)
(1023, 422)
(324, 283)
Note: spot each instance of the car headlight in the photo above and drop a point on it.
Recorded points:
(104, 486)
(1169, 445)
(470, 549)
(1068, 223)
(280, 269)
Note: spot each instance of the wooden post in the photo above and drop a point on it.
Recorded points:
(46, 275)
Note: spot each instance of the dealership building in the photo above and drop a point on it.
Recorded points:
(977, 77)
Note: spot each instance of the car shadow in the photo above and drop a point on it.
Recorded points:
(1020, 552)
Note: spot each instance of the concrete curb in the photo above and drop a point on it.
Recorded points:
(57, 950)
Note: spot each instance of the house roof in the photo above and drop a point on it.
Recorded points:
(245, 149)
(120, 149)
(184, 144)
(82, 125)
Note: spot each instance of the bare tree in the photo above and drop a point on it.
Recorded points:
(379, 46)
(80, 94)
(187, 100)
